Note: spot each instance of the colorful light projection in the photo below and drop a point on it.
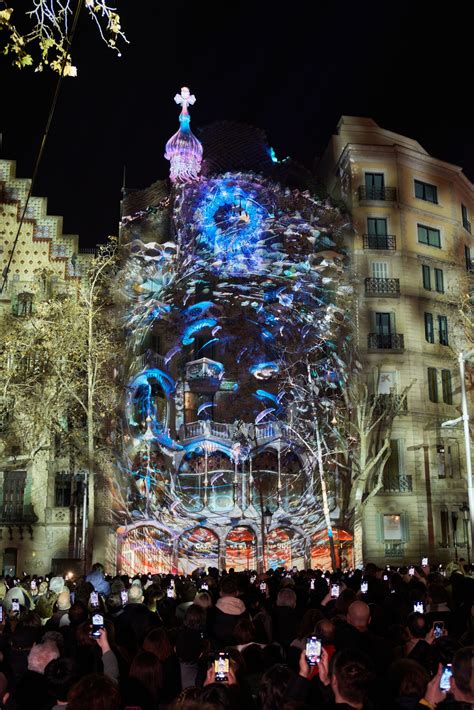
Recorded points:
(239, 288)
(183, 149)
(197, 548)
(321, 555)
(145, 549)
(241, 549)
(233, 226)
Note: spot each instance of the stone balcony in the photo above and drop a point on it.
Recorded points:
(204, 375)
(257, 434)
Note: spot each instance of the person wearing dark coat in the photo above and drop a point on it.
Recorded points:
(227, 612)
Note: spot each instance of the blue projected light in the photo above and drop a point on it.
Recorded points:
(191, 330)
(232, 225)
(264, 370)
(166, 381)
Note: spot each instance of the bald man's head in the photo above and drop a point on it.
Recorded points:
(358, 615)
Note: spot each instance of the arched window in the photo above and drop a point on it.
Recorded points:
(279, 552)
(145, 549)
(198, 547)
(240, 549)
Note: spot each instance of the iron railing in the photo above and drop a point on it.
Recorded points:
(149, 360)
(10, 513)
(395, 402)
(385, 287)
(398, 484)
(390, 341)
(394, 549)
(383, 194)
(380, 241)
(467, 225)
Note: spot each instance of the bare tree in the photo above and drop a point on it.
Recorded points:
(363, 423)
(58, 370)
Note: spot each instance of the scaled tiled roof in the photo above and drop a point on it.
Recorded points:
(134, 201)
(230, 146)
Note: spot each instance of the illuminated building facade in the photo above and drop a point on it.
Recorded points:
(411, 259)
(229, 277)
(40, 498)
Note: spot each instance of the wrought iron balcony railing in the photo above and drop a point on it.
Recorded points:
(382, 287)
(398, 484)
(391, 341)
(382, 194)
(467, 225)
(10, 513)
(394, 549)
(380, 241)
(393, 401)
(149, 360)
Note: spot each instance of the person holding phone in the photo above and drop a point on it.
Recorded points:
(461, 678)
(99, 634)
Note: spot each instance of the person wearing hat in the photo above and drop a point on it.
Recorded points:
(45, 606)
(56, 585)
(97, 578)
(62, 606)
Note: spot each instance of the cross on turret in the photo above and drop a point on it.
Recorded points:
(185, 99)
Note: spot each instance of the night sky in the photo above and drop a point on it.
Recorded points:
(290, 71)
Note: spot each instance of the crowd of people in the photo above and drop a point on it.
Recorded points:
(374, 638)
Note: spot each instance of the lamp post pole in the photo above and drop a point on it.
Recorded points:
(266, 521)
(84, 521)
(454, 522)
(465, 518)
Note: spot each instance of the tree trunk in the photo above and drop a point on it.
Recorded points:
(89, 548)
(358, 536)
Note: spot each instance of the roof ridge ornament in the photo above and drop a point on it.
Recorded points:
(183, 150)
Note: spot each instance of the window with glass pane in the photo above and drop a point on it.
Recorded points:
(379, 270)
(374, 185)
(383, 323)
(62, 489)
(425, 191)
(444, 527)
(465, 218)
(376, 226)
(426, 271)
(374, 180)
(429, 329)
(429, 236)
(467, 257)
(432, 384)
(446, 454)
(447, 386)
(443, 330)
(14, 483)
(441, 460)
(439, 280)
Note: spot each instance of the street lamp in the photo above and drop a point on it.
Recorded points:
(267, 518)
(465, 518)
(454, 522)
(464, 418)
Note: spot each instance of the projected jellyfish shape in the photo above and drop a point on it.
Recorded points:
(183, 150)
